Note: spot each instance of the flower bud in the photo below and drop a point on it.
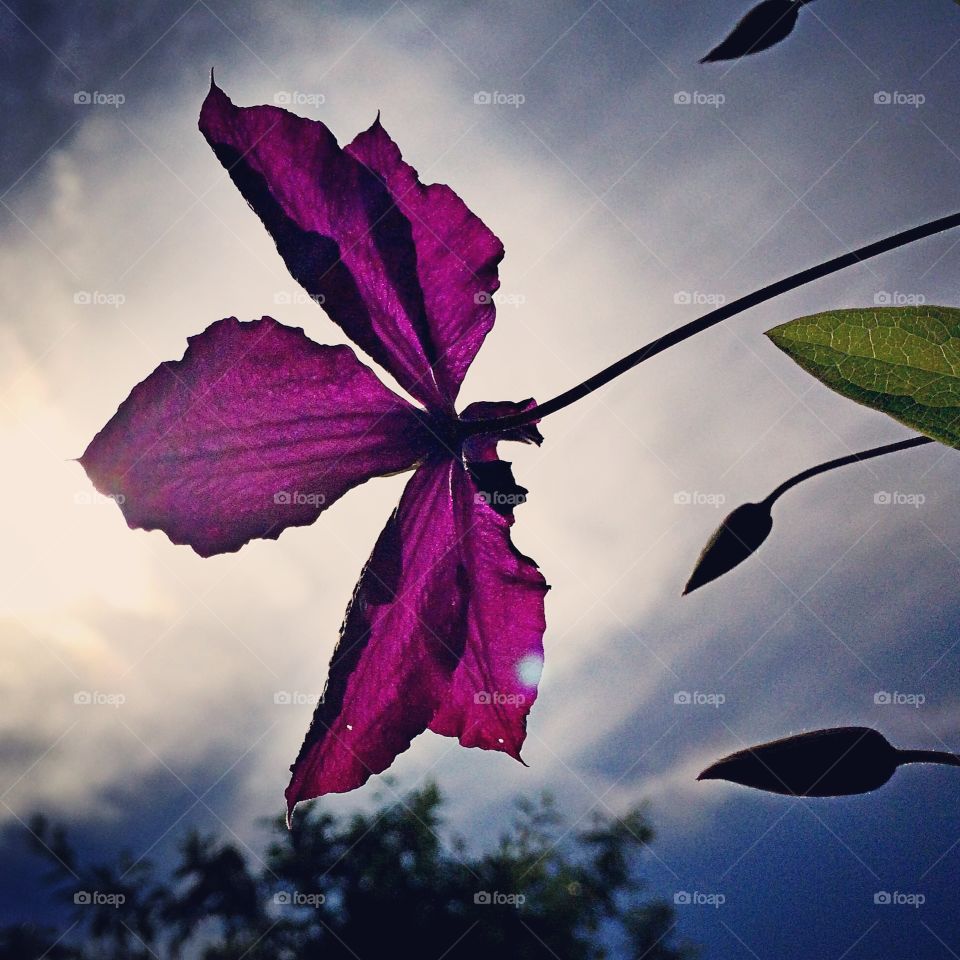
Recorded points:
(822, 763)
(732, 542)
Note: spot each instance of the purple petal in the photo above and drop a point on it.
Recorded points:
(413, 295)
(495, 682)
(483, 446)
(399, 643)
(256, 429)
(457, 257)
(445, 630)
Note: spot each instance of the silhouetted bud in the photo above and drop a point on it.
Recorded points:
(822, 763)
(766, 24)
(732, 542)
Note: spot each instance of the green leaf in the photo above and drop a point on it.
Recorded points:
(903, 361)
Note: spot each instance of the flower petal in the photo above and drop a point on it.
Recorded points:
(457, 257)
(256, 429)
(350, 244)
(483, 446)
(495, 682)
(399, 643)
(444, 630)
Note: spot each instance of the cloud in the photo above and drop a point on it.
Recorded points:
(609, 206)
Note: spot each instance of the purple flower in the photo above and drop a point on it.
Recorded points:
(258, 428)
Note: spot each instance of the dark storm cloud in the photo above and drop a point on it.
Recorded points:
(617, 200)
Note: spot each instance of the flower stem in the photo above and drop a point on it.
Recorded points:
(928, 756)
(774, 495)
(705, 322)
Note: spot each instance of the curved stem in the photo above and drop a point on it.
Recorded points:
(928, 756)
(774, 495)
(706, 321)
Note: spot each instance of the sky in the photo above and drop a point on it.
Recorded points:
(624, 212)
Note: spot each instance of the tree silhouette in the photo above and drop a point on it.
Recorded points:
(364, 886)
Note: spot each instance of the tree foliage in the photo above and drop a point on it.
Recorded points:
(365, 886)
